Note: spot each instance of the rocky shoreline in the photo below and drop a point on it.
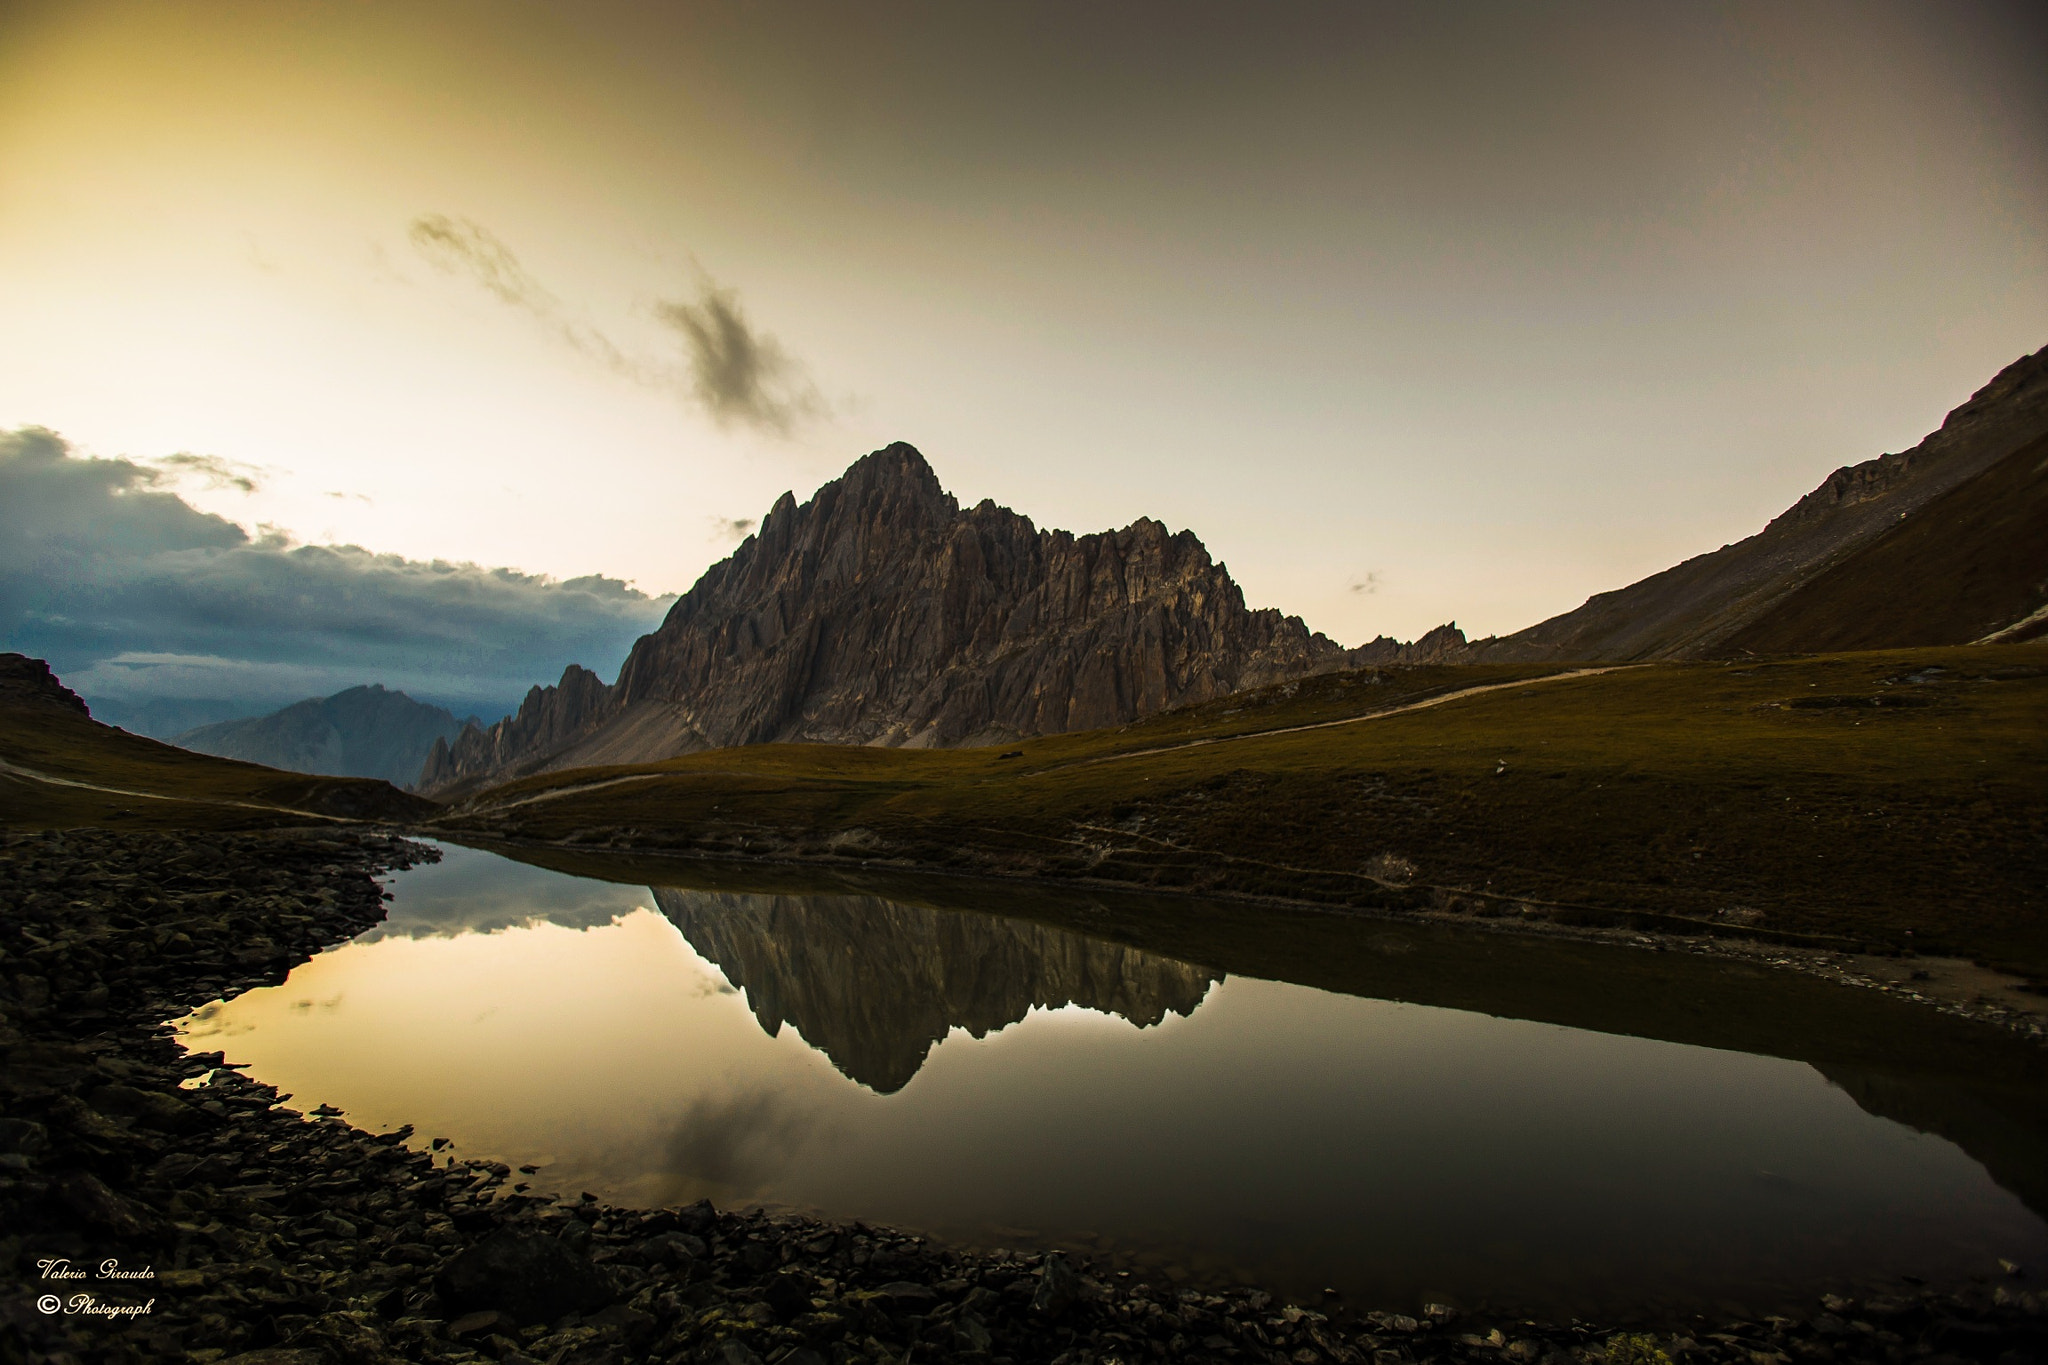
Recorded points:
(156, 1206)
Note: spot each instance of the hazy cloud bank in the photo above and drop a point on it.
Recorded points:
(737, 375)
(133, 594)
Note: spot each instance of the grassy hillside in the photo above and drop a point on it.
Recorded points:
(1892, 799)
(176, 789)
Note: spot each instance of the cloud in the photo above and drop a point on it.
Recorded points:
(131, 593)
(458, 246)
(732, 528)
(738, 376)
(212, 469)
(1366, 586)
(738, 1142)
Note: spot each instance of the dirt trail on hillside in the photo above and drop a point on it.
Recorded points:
(30, 774)
(582, 788)
(1402, 710)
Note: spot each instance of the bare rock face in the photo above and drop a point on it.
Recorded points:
(1736, 598)
(549, 719)
(29, 684)
(873, 984)
(880, 612)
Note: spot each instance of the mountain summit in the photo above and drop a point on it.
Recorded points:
(880, 612)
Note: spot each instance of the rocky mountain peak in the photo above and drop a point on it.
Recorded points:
(879, 612)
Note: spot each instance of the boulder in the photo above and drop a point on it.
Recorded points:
(529, 1278)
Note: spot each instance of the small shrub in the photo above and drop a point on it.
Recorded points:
(1635, 1349)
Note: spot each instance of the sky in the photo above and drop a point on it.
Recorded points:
(1413, 312)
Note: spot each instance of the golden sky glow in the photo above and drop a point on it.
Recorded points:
(1410, 313)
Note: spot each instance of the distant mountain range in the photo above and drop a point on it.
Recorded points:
(363, 732)
(1943, 544)
(881, 612)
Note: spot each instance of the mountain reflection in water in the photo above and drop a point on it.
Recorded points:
(873, 984)
(1403, 1111)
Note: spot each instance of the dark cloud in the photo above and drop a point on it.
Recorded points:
(739, 376)
(738, 1143)
(133, 594)
(732, 528)
(1365, 586)
(742, 377)
(212, 469)
(469, 892)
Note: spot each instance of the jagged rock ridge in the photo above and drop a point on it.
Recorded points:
(873, 984)
(1802, 583)
(880, 612)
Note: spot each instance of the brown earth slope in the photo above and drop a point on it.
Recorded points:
(1969, 564)
(1704, 606)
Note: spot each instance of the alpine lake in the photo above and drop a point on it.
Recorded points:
(1184, 1091)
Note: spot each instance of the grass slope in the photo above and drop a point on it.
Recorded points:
(1828, 797)
(188, 790)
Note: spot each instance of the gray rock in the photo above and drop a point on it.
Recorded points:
(486, 1323)
(1058, 1287)
(670, 1249)
(630, 1323)
(907, 1292)
(882, 612)
(149, 1109)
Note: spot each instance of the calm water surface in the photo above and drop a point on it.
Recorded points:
(1003, 1082)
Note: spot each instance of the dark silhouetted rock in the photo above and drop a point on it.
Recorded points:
(1058, 1287)
(149, 1108)
(873, 984)
(26, 682)
(88, 1197)
(531, 1278)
